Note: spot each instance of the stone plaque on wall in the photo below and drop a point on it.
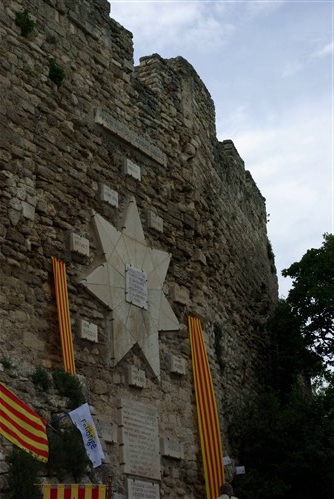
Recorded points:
(105, 119)
(136, 377)
(79, 244)
(138, 489)
(136, 286)
(109, 195)
(130, 168)
(177, 365)
(88, 331)
(171, 448)
(139, 439)
(154, 221)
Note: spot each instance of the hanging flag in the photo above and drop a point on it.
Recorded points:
(75, 491)
(59, 272)
(82, 419)
(207, 412)
(22, 426)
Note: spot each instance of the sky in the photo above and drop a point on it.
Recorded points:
(268, 66)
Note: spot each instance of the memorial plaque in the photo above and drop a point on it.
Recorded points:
(104, 118)
(130, 168)
(226, 460)
(136, 377)
(154, 221)
(88, 331)
(109, 195)
(79, 244)
(138, 489)
(171, 448)
(177, 365)
(136, 286)
(139, 440)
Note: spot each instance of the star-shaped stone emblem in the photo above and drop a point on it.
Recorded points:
(129, 283)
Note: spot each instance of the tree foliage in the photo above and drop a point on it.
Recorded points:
(285, 436)
(312, 297)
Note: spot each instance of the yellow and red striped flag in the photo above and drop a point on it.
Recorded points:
(59, 272)
(208, 421)
(75, 491)
(22, 426)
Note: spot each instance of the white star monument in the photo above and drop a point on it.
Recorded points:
(129, 283)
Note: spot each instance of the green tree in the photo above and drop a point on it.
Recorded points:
(312, 297)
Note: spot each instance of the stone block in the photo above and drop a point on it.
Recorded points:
(88, 331)
(136, 377)
(138, 489)
(154, 221)
(108, 195)
(79, 244)
(171, 448)
(177, 365)
(180, 294)
(130, 168)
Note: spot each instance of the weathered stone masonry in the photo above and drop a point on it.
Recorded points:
(61, 159)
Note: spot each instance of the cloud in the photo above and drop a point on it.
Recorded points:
(167, 26)
(291, 68)
(326, 50)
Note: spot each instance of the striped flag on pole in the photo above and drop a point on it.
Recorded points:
(61, 491)
(22, 426)
(207, 412)
(59, 272)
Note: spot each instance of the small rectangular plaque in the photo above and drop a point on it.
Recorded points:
(136, 286)
(88, 331)
(226, 460)
(130, 168)
(240, 470)
(109, 195)
(154, 221)
(177, 365)
(136, 377)
(138, 489)
(79, 244)
(171, 448)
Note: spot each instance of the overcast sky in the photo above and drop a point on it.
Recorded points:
(268, 66)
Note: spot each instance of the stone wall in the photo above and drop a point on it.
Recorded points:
(70, 149)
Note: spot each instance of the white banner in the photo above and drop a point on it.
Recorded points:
(82, 419)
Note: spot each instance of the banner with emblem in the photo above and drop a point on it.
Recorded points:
(82, 419)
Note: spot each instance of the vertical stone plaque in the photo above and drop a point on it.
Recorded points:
(177, 365)
(88, 331)
(139, 439)
(138, 489)
(79, 244)
(109, 195)
(130, 168)
(136, 377)
(154, 221)
(136, 286)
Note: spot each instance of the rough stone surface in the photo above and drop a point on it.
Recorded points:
(54, 156)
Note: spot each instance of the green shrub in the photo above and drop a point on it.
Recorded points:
(41, 379)
(56, 73)
(23, 479)
(69, 386)
(67, 454)
(26, 24)
(7, 363)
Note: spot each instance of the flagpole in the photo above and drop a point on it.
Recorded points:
(110, 487)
